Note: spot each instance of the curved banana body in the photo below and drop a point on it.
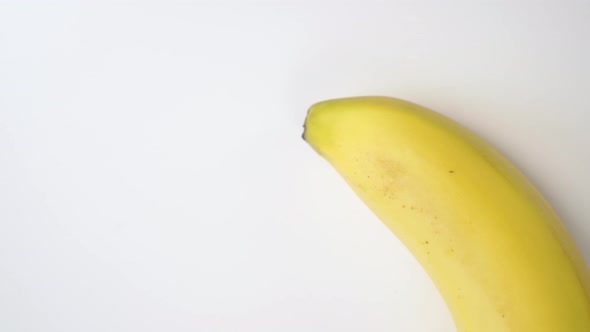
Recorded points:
(492, 245)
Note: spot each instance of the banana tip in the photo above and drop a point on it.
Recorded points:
(304, 123)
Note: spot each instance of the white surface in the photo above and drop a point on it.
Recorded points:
(153, 178)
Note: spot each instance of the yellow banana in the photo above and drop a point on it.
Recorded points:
(492, 245)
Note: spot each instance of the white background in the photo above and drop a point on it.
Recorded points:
(153, 177)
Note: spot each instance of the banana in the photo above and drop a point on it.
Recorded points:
(492, 245)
